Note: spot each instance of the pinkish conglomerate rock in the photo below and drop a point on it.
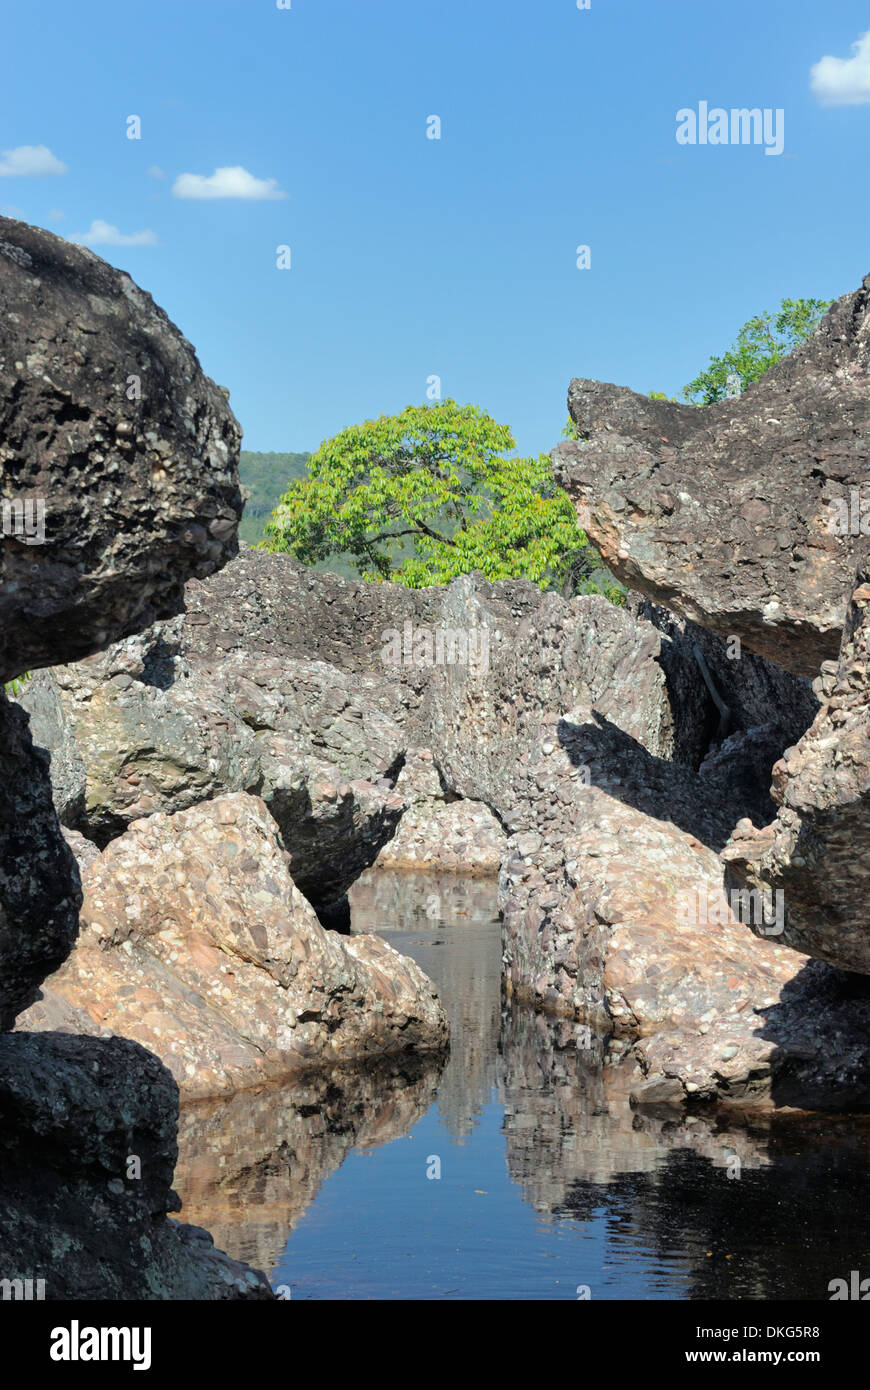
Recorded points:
(196, 943)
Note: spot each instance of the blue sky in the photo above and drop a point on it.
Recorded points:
(456, 257)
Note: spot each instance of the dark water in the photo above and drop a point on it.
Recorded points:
(549, 1182)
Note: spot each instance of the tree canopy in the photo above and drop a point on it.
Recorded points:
(761, 342)
(435, 491)
(429, 494)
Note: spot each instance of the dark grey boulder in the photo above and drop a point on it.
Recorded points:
(108, 425)
(40, 890)
(109, 502)
(87, 1153)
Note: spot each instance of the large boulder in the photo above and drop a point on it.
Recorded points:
(141, 748)
(153, 731)
(585, 734)
(117, 482)
(329, 757)
(88, 1148)
(747, 516)
(113, 444)
(273, 606)
(196, 943)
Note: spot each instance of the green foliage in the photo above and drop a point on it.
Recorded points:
(760, 343)
(428, 494)
(13, 687)
(265, 476)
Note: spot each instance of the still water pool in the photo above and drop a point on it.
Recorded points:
(517, 1170)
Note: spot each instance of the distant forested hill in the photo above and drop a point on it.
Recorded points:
(266, 477)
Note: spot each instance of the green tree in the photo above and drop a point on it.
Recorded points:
(428, 494)
(760, 343)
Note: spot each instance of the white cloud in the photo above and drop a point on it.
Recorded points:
(229, 182)
(8, 210)
(844, 81)
(156, 172)
(32, 161)
(56, 215)
(104, 234)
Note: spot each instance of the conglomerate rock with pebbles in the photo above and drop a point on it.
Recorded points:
(118, 482)
(617, 750)
(747, 516)
(197, 943)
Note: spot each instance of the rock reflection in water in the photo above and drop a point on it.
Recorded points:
(248, 1167)
(565, 1092)
(739, 1203)
(551, 1179)
(449, 924)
